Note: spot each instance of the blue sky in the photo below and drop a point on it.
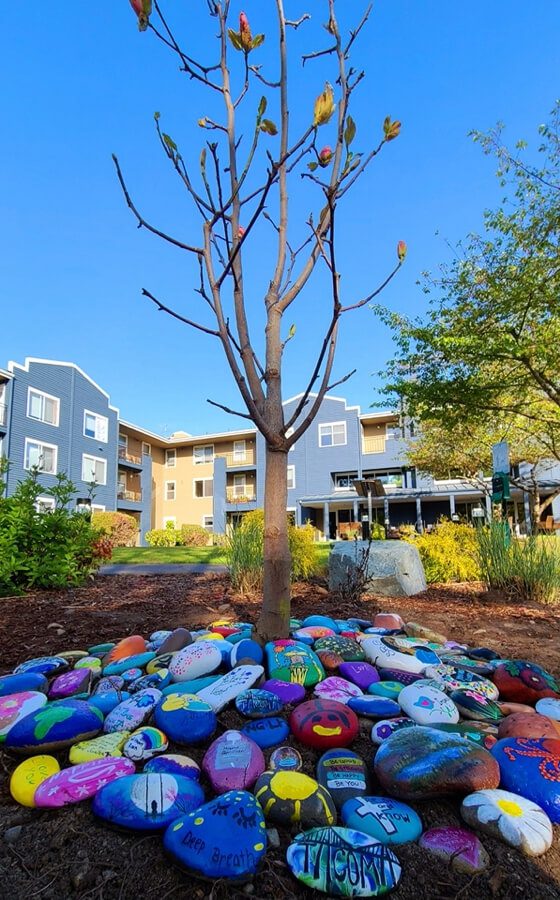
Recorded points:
(83, 83)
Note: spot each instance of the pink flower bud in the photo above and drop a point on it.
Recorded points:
(401, 250)
(240, 232)
(143, 9)
(325, 156)
(245, 31)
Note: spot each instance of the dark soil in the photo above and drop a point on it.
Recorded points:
(67, 853)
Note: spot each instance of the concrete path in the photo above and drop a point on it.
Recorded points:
(162, 569)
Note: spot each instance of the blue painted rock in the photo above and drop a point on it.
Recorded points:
(80, 782)
(386, 727)
(294, 662)
(375, 707)
(157, 637)
(55, 726)
(196, 660)
(289, 797)
(101, 649)
(484, 653)
(461, 848)
(548, 706)
(224, 839)
(98, 748)
(191, 687)
(246, 652)
(145, 743)
(27, 681)
(524, 682)
(26, 778)
(473, 705)
(108, 700)
(508, 817)
(531, 768)
(42, 665)
(287, 691)
(159, 680)
(483, 733)
(227, 688)
(342, 862)
(174, 764)
(427, 705)
(361, 673)
(129, 676)
(404, 678)
(267, 732)
(185, 718)
(137, 661)
(343, 774)
(324, 723)
(383, 818)
(174, 641)
(15, 707)
(76, 682)
(323, 621)
(285, 759)
(390, 689)
(257, 703)
(393, 653)
(348, 649)
(422, 762)
(233, 762)
(110, 683)
(334, 688)
(134, 712)
(147, 802)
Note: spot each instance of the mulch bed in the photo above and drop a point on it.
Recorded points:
(67, 853)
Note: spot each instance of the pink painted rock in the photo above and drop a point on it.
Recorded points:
(76, 682)
(233, 762)
(461, 848)
(80, 782)
(334, 688)
(528, 725)
(388, 620)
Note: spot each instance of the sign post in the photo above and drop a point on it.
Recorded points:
(500, 483)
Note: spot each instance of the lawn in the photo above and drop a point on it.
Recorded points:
(211, 555)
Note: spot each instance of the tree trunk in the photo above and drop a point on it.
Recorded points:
(274, 621)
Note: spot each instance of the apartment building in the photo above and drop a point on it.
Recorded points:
(54, 416)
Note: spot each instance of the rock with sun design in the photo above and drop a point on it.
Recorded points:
(147, 802)
(510, 818)
(290, 797)
(324, 724)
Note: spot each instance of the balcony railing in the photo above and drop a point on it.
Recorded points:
(236, 459)
(233, 495)
(129, 457)
(135, 496)
(375, 443)
(3, 413)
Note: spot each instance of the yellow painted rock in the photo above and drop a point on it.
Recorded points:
(99, 747)
(29, 775)
(211, 636)
(71, 655)
(88, 662)
(160, 662)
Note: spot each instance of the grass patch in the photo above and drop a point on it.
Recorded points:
(163, 555)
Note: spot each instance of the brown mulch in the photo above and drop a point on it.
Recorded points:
(67, 853)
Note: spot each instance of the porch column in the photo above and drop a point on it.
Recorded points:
(419, 524)
(298, 514)
(386, 510)
(488, 507)
(326, 523)
(451, 505)
(355, 510)
(527, 506)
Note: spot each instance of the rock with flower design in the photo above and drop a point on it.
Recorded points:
(473, 705)
(524, 682)
(461, 848)
(147, 802)
(80, 782)
(289, 797)
(531, 768)
(334, 688)
(510, 818)
(386, 727)
(223, 839)
(427, 706)
(455, 678)
(57, 725)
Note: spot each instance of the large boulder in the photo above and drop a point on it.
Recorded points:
(392, 568)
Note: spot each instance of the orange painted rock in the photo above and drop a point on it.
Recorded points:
(388, 620)
(529, 725)
(127, 647)
(330, 659)
(509, 709)
(524, 682)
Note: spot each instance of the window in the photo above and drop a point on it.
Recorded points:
(395, 478)
(208, 523)
(169, 490)
(170, 458)
(394, 431)
(167, 519)
(332, 434)
(291, 477)
(344, 481)
(97, 507)
(45, 504)
(146, 449)
(96, 426)
(94, 469)
(239, 486)
(203, 487)
(239, 451)
(123, 441)
(40, 455)
(203, 454)
(42, 407)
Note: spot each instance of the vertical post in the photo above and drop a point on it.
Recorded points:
(386, 515)
(355, 510)
(527, 506)
(451, 505)
(419, 524)
(488, 508)
(326, 523)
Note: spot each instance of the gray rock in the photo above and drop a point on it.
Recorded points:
(393, 569)
(11, 835)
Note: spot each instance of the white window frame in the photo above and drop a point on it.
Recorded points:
(239, 481)
(98, 419)
(169, 456)
(292, 472)
(204, 496)
(148, 451)
(48, 504)
(324, 425)
(44, 396)
(204, 448)
(40, 444)
(208, 524)
(96, 459)
(122, 443)
(239, 451)
(98, 507)
(351, 476)
(167, 491)
(167, 519)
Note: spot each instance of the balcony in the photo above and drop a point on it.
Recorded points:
(236, 460)
(375, 443)
(126, 457)
(131, 496)
(234, 496)
(3, 414)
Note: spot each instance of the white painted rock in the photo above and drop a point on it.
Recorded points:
(550, 707)
(428, 706)
(335, 688)
(226, 689)
(198, 659)
(132, 713)
(510, 818)
(393, 653)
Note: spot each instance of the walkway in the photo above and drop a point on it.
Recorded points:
(162, 569)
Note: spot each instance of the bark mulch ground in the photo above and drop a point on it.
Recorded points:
(66, 853)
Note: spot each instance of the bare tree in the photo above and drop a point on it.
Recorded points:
(234, 187)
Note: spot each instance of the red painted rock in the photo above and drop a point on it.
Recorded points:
(388, 620)
(524, 682)
(457, 846)
(529, 725)
(129, 646)
(324, 724)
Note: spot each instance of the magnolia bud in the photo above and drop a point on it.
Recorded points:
(245, 31)
(143, 9)
(325, 156)
(391, 130)
(401, 250)
(240, 232)
(324, 106)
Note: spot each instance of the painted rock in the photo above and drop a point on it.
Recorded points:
(391, 621)
(27, 777)
(472, 705)
(134, 712)
(349, 649)
(330, 660)
(313, 633)
(427, 705)
(72, 656)
(147, 802)
(246, 652)
(324, 621)
(344, 775)
(334, 688)
(404, 678)
(158, 637)
(508, 817)
(422, 762)
(185, 718)
(174, 764)
(55, 726)
(483, 653)
(177, 640)
(108, 683)
(383, 818)
(257, 704)
(196, 660)
(386, 727)
(453, 678)
(461, 848)
(485, 736)
(15, 707)
(391, 653)
(511, 709)
(224, 839)
(161, 661)
(76, 682)
(342, 862)
(293, 662)
(233, 762)
(227, 688)
(101, 649)
(158, 680)
(285, 759)
(27, 681)
(324, 723)
(390, 689)
(267, 732)
(130, 676)
(89, 662)
(42, 665)
(80, 782)
(98, 748)
(108, 700)
(375, 707)
(549, 707)
(137, 661)
(529, 725)
(415, 630)
(145, 743)
(524, 682)
(287, 691)
(360, 673)
(531, 768)
(288, 797)
(191, 687)
(129, 646)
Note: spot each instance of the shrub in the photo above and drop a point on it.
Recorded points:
(120, 528)
(448, 553)
(164, 537)
(193, 536)
(527, 570)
